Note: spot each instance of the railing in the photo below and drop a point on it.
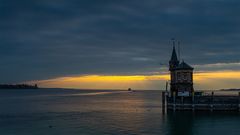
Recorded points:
(205, 101)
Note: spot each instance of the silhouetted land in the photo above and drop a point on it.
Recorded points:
(18, 86)
(230, 90)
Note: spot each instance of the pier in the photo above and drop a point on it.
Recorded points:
(210, 102)
(183, 97)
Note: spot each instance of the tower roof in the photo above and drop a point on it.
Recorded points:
(184, 65)
(174, 55)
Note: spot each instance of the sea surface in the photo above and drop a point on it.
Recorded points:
(92, 112)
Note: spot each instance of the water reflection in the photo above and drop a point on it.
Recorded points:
(69, 112)
(191, 123)
(180, 123)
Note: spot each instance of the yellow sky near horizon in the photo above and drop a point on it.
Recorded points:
(202, 80)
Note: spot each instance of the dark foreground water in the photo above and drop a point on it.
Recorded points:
(74, 112)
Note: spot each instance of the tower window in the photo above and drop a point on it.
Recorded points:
(185, 76)
(178, 76)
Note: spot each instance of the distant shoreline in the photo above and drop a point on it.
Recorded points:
(238, 90)
(18, 86)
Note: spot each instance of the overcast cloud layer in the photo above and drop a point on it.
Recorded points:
(42, 39)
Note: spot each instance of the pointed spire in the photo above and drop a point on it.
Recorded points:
(174, 54)
(173, 63)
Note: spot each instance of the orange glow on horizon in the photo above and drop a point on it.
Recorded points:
(100, 78)
(217, 79)
(218, 75)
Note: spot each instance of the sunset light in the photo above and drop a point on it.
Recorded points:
(204, 80)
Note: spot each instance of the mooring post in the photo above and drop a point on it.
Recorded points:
(182, 102)
(193, 102)
(163, 102)
(239, 101)
(174, 101)
(212, 100)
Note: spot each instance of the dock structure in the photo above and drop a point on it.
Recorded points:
(182, 96)
(202, 103)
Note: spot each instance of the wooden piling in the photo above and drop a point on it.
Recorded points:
(163, 102)
(182, 103)
(212, 101)
(193, 101)
(174, 101)
(239, 101)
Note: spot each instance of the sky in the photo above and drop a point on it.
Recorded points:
(117, 44)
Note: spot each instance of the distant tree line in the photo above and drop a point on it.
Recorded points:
(18, 86)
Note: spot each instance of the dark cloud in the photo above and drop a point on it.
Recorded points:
(52, 38)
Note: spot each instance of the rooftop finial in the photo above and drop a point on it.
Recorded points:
(179, 53)
(173, 41)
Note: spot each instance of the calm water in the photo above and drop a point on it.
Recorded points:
(74, 112)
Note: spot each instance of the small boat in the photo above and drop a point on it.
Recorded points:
(130, 90)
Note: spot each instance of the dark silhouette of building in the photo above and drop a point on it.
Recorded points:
(181, 76)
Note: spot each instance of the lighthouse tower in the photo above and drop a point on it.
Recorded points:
(181, 76)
